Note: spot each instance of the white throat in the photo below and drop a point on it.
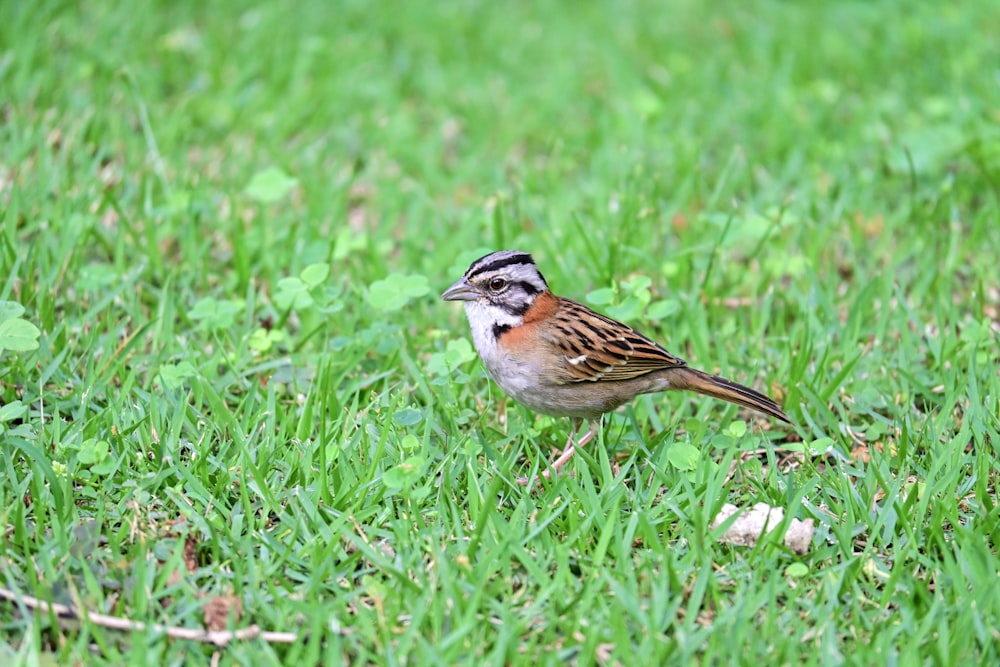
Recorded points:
(484, 321)
(483, 318)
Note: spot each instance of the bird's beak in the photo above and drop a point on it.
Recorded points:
(460, 291)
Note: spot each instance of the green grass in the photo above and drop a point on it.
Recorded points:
(802, 196)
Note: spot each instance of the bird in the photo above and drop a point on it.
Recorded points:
(560, 358)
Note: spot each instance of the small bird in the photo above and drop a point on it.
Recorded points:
(560, 358)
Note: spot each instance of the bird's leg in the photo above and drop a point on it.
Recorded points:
(571, 446)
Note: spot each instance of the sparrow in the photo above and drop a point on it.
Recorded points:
(560, 358)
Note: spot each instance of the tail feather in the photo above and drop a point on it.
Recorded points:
(727, 390)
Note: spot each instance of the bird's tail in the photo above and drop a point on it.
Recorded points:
(719, 387)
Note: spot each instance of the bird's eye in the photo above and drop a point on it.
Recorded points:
(497, 284)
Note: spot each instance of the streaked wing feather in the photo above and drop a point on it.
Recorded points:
(623, 353)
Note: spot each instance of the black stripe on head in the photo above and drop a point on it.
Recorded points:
(498, 260)
(528, 288)
(516, 309)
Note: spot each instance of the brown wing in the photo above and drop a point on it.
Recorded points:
(597, 348)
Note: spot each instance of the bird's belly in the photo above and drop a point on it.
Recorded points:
(578, 399)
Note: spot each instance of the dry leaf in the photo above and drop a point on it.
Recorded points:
(218, 609)
(191, 553)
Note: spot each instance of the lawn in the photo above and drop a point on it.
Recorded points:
(231, 399)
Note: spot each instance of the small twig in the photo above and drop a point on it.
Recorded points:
(217, 637)
(734, 301)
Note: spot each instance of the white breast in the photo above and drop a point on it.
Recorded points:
(506, 371)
